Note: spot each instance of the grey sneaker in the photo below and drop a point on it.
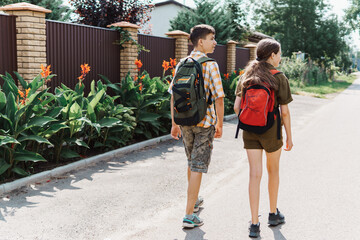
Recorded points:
(198, 204)
(191, 223)
(276, 219)
(254, 230)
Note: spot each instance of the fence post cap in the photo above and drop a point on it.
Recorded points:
(177, 33)
(24, 6)
(250, 46)
(232, 42)
(124, 25)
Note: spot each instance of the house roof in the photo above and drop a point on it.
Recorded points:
(257, 36)
(171, 2)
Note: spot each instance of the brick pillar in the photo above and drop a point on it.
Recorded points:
(30, 36)
(252, 49)
(181, 43)
(129, 54)
(231, 56)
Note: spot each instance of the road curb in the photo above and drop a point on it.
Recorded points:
(40, 177)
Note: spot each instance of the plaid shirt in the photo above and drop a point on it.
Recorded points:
(212, 82)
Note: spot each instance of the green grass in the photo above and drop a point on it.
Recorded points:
(323, 89)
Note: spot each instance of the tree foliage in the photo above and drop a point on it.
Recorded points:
(353, 14)
(103, 12)
(226, 19)
(59, 10)
(304, 25)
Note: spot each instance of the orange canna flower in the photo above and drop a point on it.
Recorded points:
(241, 72)
(226, 76)
(27, 92)
(21, 94)
(173, 72)
(45, 71)
(85, 69)
(172, 62)
(138, 64)
(140, 87)
(166, 65)
(142, 77)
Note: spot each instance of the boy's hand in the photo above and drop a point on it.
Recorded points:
(218, 131)
(175, 132)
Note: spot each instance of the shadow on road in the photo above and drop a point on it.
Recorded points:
(195, 233)
(277, 233)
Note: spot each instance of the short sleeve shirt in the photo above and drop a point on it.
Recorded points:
(212, 83)
(282, 95)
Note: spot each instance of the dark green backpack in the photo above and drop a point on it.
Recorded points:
(190, 103)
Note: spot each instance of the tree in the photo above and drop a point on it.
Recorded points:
(353, 14)
(225, 19)
(102, 13)
(59, 12)
(301, 25)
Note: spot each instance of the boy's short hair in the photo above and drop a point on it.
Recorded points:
(200, 31)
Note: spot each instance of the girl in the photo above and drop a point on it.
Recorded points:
(258, 72)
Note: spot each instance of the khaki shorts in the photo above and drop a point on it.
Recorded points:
(198, 143)
(267, 141)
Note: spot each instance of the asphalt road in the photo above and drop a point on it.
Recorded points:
(142, 195)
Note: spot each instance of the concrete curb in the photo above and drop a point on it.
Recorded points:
(39, 177)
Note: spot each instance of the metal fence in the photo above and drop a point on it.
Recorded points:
(242, 58)
(70, 45)
(161, 48)
(8, 62)
(219, 55)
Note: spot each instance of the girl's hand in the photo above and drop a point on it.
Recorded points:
(289, 145)
(175, 132)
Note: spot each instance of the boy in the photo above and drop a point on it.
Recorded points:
(198, 139)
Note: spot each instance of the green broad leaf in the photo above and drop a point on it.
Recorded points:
(100, 86)
(109, 122)
(97, 98)
(67, 153)
(98, 144)
(27, 156)
(81, 143)
(20, 171)
(55, 112)
(7, 119)
(11, 83)
(6, 140)
(91, 113)
(54, 128)
(34, 138)
(11, 107)
(39, 121)
(2, 100)
(23, 83)
(75, 111)
(139, 131)
(107, 81)
(148, 117)
(50, 98)
(3, 166)
(152, 102)
(35, 84)
(92, 89)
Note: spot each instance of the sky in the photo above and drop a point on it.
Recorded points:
(338, 8)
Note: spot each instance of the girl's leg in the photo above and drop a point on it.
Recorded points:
(272, 164)
(255, 164)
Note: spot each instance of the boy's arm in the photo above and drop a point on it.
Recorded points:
(175, 129)
(219, 105)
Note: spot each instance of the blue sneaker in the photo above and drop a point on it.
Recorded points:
(254, 230)
(194, 222)
(276, 219)
(198, 204)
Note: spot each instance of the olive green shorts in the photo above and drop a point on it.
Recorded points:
(267, 141)
(198, 143)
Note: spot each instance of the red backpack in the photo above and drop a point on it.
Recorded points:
(257, 109)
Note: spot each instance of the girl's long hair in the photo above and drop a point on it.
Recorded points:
(257, 72)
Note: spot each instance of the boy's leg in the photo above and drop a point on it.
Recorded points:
(272, 164)
(193, 191)
(255, 164)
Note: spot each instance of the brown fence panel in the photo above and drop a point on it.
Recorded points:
(161, 48)
(70, 45)
(8, 54)
(242, 57)
(219, 55)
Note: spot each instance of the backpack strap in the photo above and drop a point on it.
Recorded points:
(275, 72)
(201, 61)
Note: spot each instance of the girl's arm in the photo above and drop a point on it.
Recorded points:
(285, 115)
(237, 105)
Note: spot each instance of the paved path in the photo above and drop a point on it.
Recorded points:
(142, 195)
